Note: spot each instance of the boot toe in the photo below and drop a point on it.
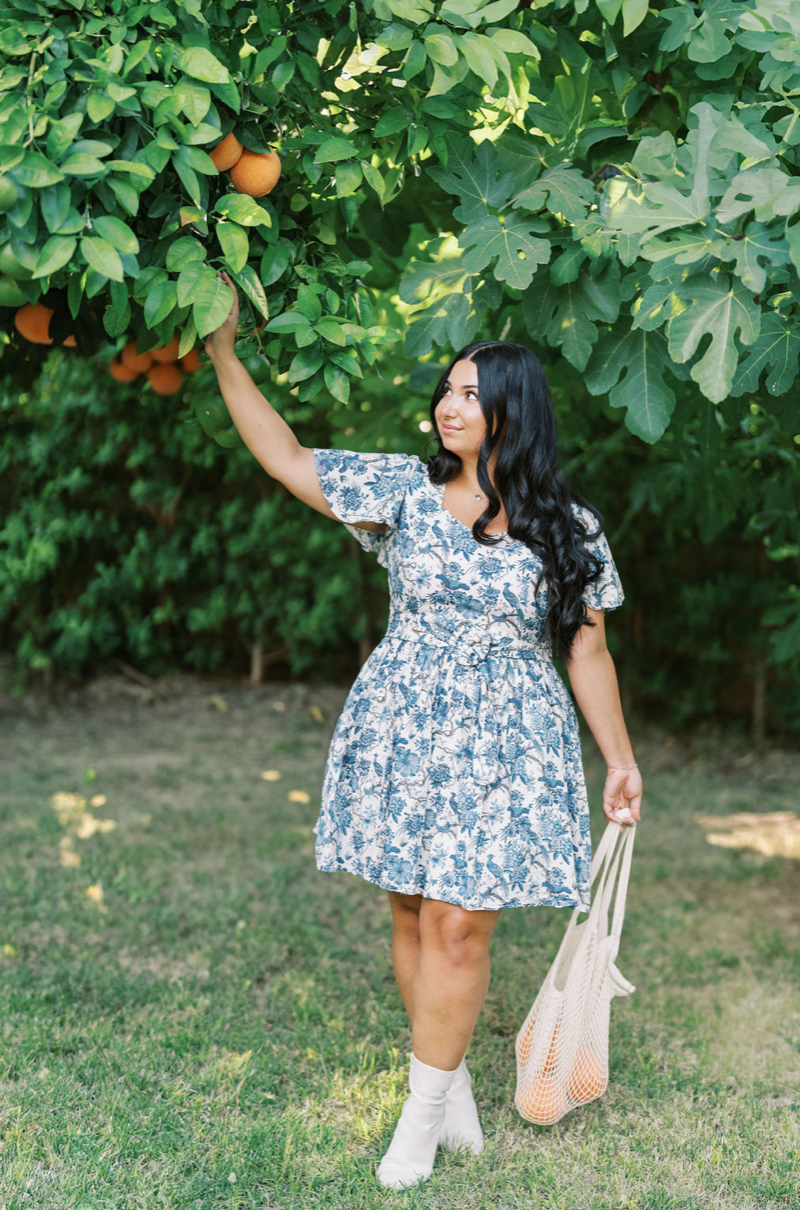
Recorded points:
(395, 1175)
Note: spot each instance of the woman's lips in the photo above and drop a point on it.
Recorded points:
(448, 428)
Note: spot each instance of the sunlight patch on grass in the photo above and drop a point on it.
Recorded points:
(773, 834)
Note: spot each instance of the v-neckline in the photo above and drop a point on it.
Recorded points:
(440, 487)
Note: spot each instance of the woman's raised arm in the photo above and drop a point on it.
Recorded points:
(265, 433)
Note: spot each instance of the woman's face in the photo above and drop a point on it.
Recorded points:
(459, 408)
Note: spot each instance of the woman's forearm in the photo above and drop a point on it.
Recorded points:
(265, 433)
(593, 679)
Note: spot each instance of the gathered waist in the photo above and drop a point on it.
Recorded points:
(470, 641)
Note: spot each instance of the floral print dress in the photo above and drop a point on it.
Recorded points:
(454, 770)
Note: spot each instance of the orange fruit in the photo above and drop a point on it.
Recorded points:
(588, 1078)
(70, 342)
(191, 361)
(256, 173)
(226, 152)
(544, 1101)
(138, 362)
(122, 374)
(33, 322)
(165, 379)
(168, 352)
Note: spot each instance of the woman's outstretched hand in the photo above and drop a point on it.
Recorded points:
(623, 785)
(223, 338)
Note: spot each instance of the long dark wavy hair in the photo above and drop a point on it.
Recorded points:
(515, 401)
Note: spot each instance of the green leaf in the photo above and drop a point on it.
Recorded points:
(498, 10)
(61, 134)
(348, 179)
(35, 171)
(512, 42)
(415, 61)
(768, 192)
(99, 106)
(450, 321)
(55, 203)
(472, 176)
(197, 160)
(441, 48)
(125, 194)
(479, 58)
(392, 121)
(565, 315)
(182, 252)
(194, 99)
(330, 330)
(200, 64)
(117, 233)
(304, 364)
(334, 149)
(287, 321)
(228, 94)
(776, 350)
(234, 243)
(374, 178)
(309, 304)
(561, 190)
(188, 337)
(55, 254)
(160, 302)
(633, 14)
(116, 321)
(630, 367)
(667, 208)
(135, 167)
(101, 256)
(253, 288)
(282, 74)
(719, 309)
(243, 210)
(519, 254)
(211, 302)
(82, 165)
(275, 262)
(337, 382)
(187, 281)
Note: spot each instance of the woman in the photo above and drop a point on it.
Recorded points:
(454, 778)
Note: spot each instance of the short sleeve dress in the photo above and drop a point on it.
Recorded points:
(454, 770)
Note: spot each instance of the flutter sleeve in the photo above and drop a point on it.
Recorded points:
(605, 592)
(365, 487)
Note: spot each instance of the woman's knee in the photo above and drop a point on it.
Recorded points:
(461, 937)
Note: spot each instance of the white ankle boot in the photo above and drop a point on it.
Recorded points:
(460, 1125)
(412, 1151)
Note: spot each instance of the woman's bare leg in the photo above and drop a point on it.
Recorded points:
(451, 980)
(440, 954)
(405, 944)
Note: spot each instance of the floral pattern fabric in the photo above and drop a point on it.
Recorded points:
(454, 770)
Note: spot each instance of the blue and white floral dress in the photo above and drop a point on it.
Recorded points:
(454, 770)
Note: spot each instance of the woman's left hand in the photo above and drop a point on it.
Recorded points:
(622, 785)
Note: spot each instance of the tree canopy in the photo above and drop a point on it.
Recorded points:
(614, 182)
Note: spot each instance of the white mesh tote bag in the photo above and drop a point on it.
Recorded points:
(562, 1047)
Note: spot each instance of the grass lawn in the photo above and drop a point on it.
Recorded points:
(215, 1024)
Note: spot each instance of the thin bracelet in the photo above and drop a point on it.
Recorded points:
(622, 769)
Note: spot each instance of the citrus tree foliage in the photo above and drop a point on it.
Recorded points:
(612, 182)
(625, 172)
